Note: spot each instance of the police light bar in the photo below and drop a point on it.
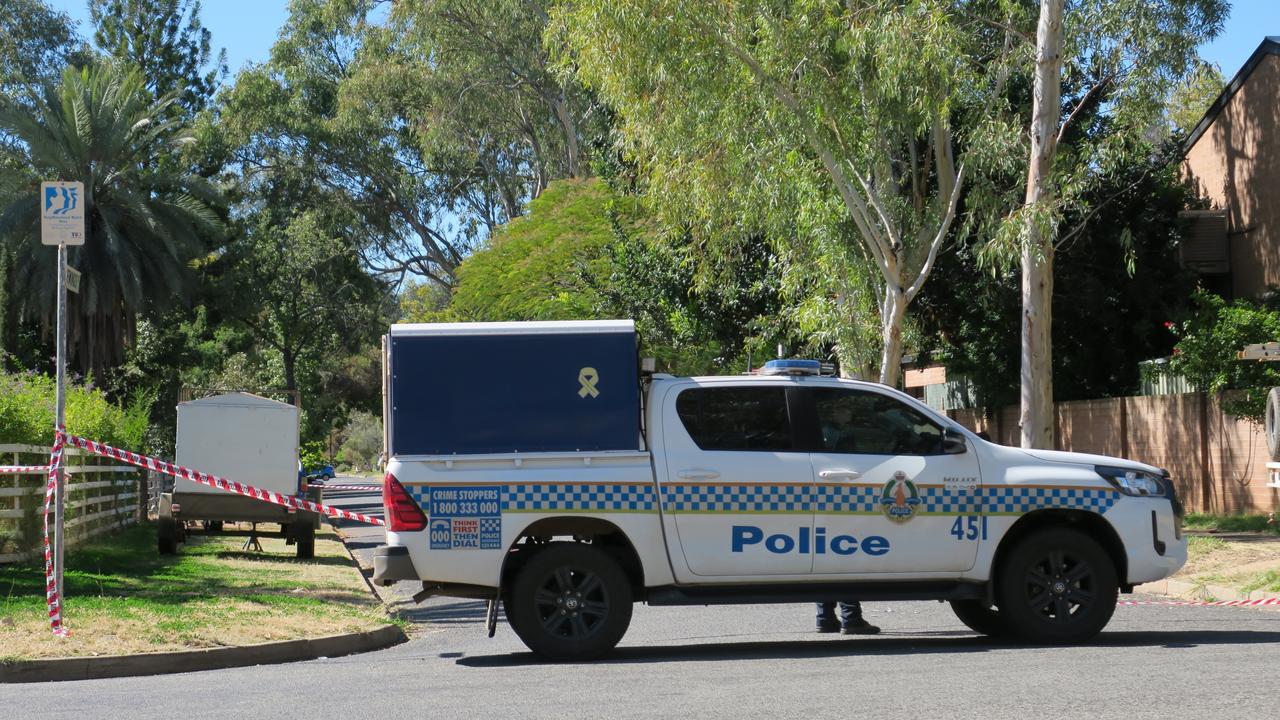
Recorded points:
(791, 367)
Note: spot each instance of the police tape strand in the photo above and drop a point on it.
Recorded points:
(23, 469)
(1260, 602)
(52, 598)
(220, 483)
(370, 488)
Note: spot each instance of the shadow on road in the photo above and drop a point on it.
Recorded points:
(452, 613)
(897, 644)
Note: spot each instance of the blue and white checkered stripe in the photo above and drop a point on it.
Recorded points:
(578, 497)
(737, 498)
(1017, 501)
(822, 499)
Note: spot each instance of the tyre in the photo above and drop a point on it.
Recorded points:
(213, 526)
(571, 601)
(167, 536)
(980, 617)
(1273, 423)
(1057, 586)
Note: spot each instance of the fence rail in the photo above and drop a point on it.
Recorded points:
(100, 496)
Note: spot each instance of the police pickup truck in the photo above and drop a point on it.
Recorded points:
(533, 464)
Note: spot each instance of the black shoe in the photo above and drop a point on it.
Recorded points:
(829, 626)
(860, 627)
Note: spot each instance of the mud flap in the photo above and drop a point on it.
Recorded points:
(492, 619)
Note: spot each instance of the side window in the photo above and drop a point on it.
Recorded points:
(868, 423)
(736, 418)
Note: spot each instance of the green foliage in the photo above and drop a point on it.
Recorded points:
(539, 267)
(147, 220)
(1118, 280)
(1208, 342)
(166, 40)
(361, 441)
(27, 413)
(313, 455)
(842, 125)
(1192, 97)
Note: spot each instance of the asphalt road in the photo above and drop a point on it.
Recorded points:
(737, 662)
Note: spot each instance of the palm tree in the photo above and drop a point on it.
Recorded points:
(148, 217)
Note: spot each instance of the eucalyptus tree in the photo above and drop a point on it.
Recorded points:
(846, 129)
(147, 220)
(1111, 63)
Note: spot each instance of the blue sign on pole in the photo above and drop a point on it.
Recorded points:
(62, 213)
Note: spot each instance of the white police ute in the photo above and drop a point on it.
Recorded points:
(535, 465)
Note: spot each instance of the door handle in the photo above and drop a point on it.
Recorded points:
(839, 473)
(697, 474)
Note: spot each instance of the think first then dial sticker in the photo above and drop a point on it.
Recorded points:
(465, 518)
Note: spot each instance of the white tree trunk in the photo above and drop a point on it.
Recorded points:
(891, 314)
(1036, 419)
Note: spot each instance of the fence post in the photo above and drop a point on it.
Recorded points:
(1124, 427)
(1206, 483)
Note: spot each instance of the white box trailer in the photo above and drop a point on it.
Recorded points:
(242, 437)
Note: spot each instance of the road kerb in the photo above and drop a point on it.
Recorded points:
(109, 666)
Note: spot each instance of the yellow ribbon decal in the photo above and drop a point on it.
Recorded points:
(588, 377)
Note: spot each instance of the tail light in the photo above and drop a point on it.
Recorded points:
(403, 514)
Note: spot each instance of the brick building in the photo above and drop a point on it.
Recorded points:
(1232, 157)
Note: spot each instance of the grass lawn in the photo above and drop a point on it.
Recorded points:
(123, 597)
(1230, 523)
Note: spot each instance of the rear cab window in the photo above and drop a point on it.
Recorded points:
(737, 418)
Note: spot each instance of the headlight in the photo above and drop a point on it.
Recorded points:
(1133, 482)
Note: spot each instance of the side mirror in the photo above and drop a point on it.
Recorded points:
(953, 443)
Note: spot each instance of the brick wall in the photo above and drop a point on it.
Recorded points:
(1217, 461)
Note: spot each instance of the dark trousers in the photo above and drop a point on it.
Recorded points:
(850, 612)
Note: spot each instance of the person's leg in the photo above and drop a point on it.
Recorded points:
(827, 618)
(852, 622)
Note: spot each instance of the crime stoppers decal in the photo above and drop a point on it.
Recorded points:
(465, 518)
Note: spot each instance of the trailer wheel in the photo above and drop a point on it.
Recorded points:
(167, 536)
(1273, 423)
(1057, 586)
(980, 618)
(306, 540)
(570, 601)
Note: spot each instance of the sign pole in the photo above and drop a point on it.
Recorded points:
(59, 543)
(62, 223)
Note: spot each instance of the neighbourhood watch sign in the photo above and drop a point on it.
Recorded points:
(62, 207)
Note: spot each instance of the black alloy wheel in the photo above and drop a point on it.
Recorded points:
(980, 617)
(1058, 585)
(571, 601)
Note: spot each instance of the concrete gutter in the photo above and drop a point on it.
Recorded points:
(109, 666)
(1192, 591)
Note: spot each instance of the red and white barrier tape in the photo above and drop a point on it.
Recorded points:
(221, 483)
(52, 598)
(1204, 603)
(370, 488)
(23, 469)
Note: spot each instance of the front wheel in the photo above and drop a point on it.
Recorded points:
(980, 617)
(1057, 586)
(571, 601)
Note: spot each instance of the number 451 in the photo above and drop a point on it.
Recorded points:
(969, 527)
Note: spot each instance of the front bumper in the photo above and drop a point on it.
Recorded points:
(392, 563)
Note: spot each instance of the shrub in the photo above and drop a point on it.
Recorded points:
(27, 413)
(1208, 343)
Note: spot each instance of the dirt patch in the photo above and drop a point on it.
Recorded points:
(1241, 561)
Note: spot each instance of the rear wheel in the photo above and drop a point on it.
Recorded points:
(571, 601)
(980, 617)
(1057, 586)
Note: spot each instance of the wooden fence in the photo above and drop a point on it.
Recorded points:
(1218, 461)
(100, 497)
